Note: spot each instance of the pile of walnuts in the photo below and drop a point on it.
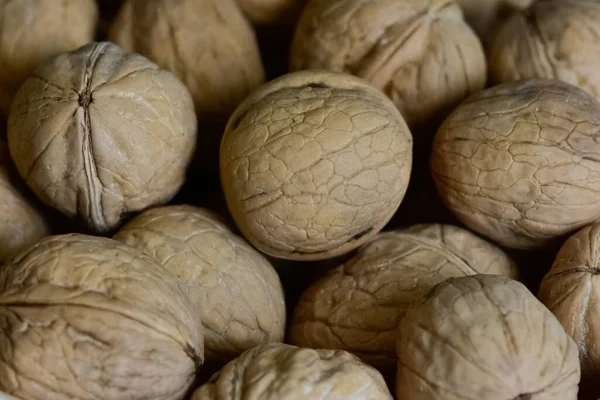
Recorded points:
(299, 199)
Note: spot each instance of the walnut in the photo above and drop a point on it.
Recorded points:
(313, 164)
(484, 337)
(84, 317)
(271, 11)
(421, 53)
(99, 132)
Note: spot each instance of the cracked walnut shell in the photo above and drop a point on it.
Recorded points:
(98, 133)
(313, 164)
(484, 337)
(84, 317)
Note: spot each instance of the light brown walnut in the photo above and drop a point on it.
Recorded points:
(84, 317)
(272, 12)
(484, 337)
(313, 164)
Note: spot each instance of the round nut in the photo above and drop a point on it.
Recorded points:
(484, 337)
(519, 163)
(99, 132)
(484, 16)
(278, 371)
(357, 306)
(271, 11)
(208, 44)
(33, 31)
(422, 54)
(84, 317)
(233, 288)
(313, 164)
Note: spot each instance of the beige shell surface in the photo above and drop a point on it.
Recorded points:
(485, 16)
(83, 317)
(279, 371)
(99, 132)
(231, 286)
(35, 30)
(357, 306)
(208, 44)
(313, 164)
(272, 12)
(484, 337)
(422, 54)
(520, 162)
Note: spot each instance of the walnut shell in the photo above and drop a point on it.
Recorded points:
(232, 287)
(484, 337)
(554, 40)
(84, 317)
(99, 132)
(208, 44)
(278, 371)
(422, 54)
(484, 16)
(357, 306)
(520, 162)
(271, 11)
(33, 31)
(313, 164)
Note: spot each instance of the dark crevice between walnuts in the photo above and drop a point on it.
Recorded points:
(317, 85)
(526, 396)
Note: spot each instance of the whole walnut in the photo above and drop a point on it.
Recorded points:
(551, 40)
(85, 317)
(35, 30)
(313, 164)
(520, 162)
(484, 337)
(357, 306)
(208, 44)
(233, 288)
(421, 53)
(98, 133)
(278, 371)
(271, 11)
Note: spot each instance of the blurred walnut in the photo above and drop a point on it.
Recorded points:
(99, 133)
(272, 12)
(421, 53)
(484, 337)
(485, 15)
(83, 317)
(313, 164)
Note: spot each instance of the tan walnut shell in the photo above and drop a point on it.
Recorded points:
(85, 317)
(98, 133)
(278, 371)
(313, 164)
(554, 39)
(208, 44)
(484, 337)
(520, 162)
(357, 306)
(271, 12)
(231, 286)
(35, 30)
(421, 53)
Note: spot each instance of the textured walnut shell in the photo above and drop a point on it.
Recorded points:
(33, 31)
(553, 40)
(313, 164)
(484, 337)
(208, 44)
(84, 317)
(278, 371)
(232, 287)
(520, 162)
(271, 11)
(99, 132)
(357, 306)
(421, 53)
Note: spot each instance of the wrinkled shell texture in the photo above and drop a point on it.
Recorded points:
(313, 164)
(231, 286)
(484, 337)
(554, 39)
(278, 371)
(271, 11)
(357, 306)
(519, 163)
(99, 132)
(485, 15)
(83, 317)
(220, 64)
(34, 30)
(422, 54)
